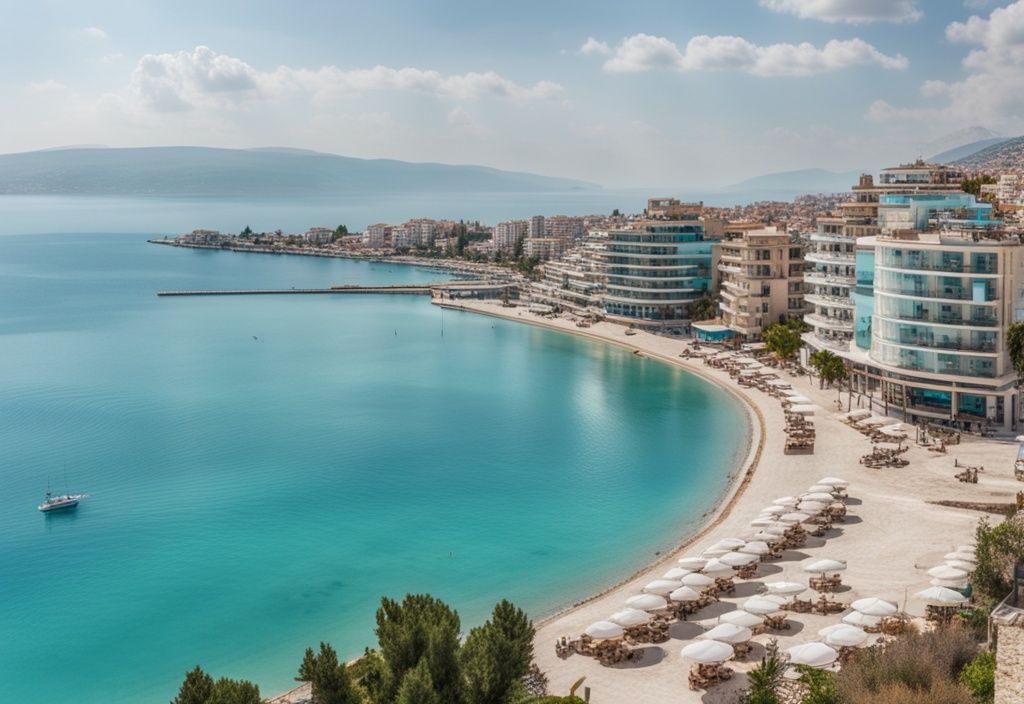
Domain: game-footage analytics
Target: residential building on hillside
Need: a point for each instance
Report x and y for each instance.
(564, 228)
(536, 227)
(375, 236)
(666, 208)
(544, 248)
(319, 235)
(761, 280)
(506, 234)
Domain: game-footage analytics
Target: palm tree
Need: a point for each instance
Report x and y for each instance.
(763, 680)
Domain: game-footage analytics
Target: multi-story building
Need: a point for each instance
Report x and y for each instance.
(666, 208)
(536, 227)
(573, 283)
(421, 232)
(375, 236)
(319, 235)
(761, 279)
(654, 270)
(506, 234)
(544, 248)
(562, 227)
(401, 237)
(832, 254)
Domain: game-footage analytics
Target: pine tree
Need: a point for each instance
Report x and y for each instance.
(196, 688)
(417, 687)
(227, 691)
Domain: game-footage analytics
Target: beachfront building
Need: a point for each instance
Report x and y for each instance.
(574, 283)
(544, 248)
(421, 232)
(376, 235)
(761, 279)
(831, 257)
(656, 268)
(507, 233)
(401, 237)
(319, 235)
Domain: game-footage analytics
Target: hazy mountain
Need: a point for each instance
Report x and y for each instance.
(201, 171)
(784, 185)
(953, 140)
(951, 155)
(1007, 155)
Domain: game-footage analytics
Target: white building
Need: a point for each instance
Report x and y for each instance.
(375, 236)
(507, 233)
(319, 235)
(536, 228)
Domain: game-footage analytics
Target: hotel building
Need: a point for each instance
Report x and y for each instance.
(506, 234)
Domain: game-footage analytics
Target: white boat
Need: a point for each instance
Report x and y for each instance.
(60, 503)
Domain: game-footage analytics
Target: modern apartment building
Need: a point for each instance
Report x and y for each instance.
(506, 234)
(574, 283)
(319, 235)
(536, 227)
(564, 228)
(375, 235)
(761, 280)
(544, 248)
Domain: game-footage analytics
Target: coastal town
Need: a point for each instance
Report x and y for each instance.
(864, 332)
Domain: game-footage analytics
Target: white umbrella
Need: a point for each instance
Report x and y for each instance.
(803, 409)
(716, 567)
(777, 529)
(964, 556)
(760, 606)
(826, 565)
(728, 633)
(947, 573)
(763, 522)
(845, 636)
(692, 563)
(822, 489)
(811, 506)
(834, 481)
(604, 630)
(698, 581)
(765, 536)
(786, 501)
(776, 509)
(647, 602)
(756, 547)
(795, 517)
(967, 548)
(941, 596)
(950, 583)
(787, 588)
(741, 618)
(676, 573)
(630, 617)
(711, 554)
(812, 654)
(961, 565)
(738, 559)
(798, 401)
(822, 496)
(873, 606)
(863, 620)
(728, 544)
(778, 599)
(684, 594)
(661, 587)
(707, 652)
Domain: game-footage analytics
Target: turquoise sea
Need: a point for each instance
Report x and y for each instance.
(262, 469)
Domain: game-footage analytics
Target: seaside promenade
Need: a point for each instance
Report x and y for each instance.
(894, 533)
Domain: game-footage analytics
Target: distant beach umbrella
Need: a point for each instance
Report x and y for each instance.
(684, 594)
(741, 618)
(763, 522)
(857, 618)
(949, 583)
(778, 529)
(630, 617)
(970, 549)
(786, 588)
(811, 507)
(676, 573)
(756, 547)
(776, 509)
(963, 556)
(798, 400)
(786, 501)
(707, 652)
(961, 565)
(694, 564)
(728, 544)
(822, 489)
(845, 636)
(661, 587)
(604, 630)
(834, 481)
(760, 606)
(824, 566)
(647, 602)
(947, 573)
(941, 596)
(873, 606)
(697, 581)
(716, 567)
(765, 537)
(813, 654)
(794, 517)
(728, 633)
(738, 559)
(821, 496)
(779, 599)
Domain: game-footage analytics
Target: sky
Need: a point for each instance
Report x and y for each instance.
(682, 93)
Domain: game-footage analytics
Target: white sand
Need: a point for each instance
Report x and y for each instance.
(892, 537)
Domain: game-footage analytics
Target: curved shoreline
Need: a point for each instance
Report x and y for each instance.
(724, 503)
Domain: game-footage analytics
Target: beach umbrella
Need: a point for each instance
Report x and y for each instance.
(756, 547)
(694, 564)
(697, 581)
(661, 587)
(961, 565)
(798, 400)
(676, 573)
(604, 630)
(728, 633)
(795, 517)
(786, 501)
(765, 537)
(967, 548)
(811, 506)
(787, 588)
(834, 481)
(964, 556)
(947, 573)
(856, 618)
(630, 617)
(776, 509)
(873, 606)
(778, 529)
(707, 652)
(777, 598)
(716, 567)
(822, 496)
(763, 522)
(950, 583)
(941, 596)
(738, 559)
(741, 618)
(728, 544)
(813, 654)
(822, 489)
(760, 606)
(713, 554)
(685, 594)
(647, 602)
(845, 636)
(826, 565)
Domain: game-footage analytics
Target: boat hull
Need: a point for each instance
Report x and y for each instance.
(64, 506)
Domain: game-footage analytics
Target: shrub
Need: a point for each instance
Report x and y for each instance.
(999, 548)
(979, 676)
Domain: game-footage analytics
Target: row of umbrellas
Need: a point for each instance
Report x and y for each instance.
(950, 576)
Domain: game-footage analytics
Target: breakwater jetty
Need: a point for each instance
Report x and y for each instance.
(396, 289)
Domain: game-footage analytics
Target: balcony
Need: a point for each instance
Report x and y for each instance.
(948, 268)
(819, 299)
(817, 278)
(817, 320)
(831, 257)
(933, 344)
(831, 237)
(946, 293)
(949, 320)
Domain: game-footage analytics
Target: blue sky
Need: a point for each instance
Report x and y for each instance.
(675, 93)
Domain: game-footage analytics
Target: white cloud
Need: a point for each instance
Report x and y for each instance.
(204, 78)
(644, 52)
(48, 86)
(593, 46)
(993, 91)
(95, 33)
(848, 11)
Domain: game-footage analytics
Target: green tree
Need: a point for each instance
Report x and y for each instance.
(783, 339)
(418, 688)
(227, 691)
(616, 213)
(704, 308)
(497, 655)
(830, 367)
(307, 669)
(1015, 346)
(196, 688)
(820, 686)
(999, 548)
(973, 185)
(979, 676)
(339, 232)
(763, 680)
(328, 678)
(247, 232)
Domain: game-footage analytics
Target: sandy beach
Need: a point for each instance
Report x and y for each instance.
(894, 532)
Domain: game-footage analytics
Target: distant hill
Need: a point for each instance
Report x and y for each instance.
(273, 172)
(954, 140)
(1007, 155)
(962, 152)
(787, 184)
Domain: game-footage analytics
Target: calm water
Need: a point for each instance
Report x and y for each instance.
(250, 497)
